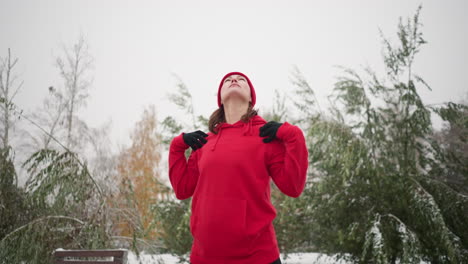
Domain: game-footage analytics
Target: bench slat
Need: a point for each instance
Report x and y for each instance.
(89, 253)
(117, 256)
(85, 262)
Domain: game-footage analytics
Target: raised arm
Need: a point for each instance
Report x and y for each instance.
(288, 160)
(183, 173)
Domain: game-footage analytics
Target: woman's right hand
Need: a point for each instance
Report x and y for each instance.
(195, 139)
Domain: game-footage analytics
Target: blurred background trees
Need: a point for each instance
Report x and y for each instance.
(60, 203)
(383, 185)
(140, 183)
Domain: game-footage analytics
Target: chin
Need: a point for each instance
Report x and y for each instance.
(236, 100)
(236, 96)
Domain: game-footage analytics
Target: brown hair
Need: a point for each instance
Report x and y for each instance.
(218, 117)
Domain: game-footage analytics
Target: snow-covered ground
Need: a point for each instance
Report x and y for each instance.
(297, 258)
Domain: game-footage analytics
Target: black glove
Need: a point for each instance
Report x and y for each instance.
(195, 139)
(269, 130)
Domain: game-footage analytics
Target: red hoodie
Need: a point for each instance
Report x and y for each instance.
(229, 178)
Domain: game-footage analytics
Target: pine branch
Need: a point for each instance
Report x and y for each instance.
(39, 220)
(65, 148)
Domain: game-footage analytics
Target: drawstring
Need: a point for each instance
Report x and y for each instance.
(248, 129)
(220, 129)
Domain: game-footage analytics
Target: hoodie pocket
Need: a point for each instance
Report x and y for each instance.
(219, 227)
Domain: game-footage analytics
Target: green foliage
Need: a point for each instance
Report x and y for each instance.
(183, 100)
(292, 222)
(453, 139)
(12, 198)
(35, 241)
(58, 181)
(171, 128)
(279, 111)
(377, 194)
(173, 219)
(455, 114)
(61, 210)
(305, 99)
(61, 204)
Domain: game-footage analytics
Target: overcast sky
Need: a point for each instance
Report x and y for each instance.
(138, 45)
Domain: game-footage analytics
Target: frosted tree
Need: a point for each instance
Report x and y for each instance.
(62, 205)
(74, 67)
(454, 139)
(48, 120)
(8, 90)
(377, 194)
(57, 118)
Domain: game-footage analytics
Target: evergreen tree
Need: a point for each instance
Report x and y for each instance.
(56, 211)
(454, 140)
(377, 196)
(61, 204)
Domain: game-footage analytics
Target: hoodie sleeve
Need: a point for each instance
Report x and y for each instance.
(288, 161)
(183, 173)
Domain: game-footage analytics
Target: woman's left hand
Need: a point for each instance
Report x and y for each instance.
(269, 131)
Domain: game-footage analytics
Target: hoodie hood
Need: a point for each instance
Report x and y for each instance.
(246, 128)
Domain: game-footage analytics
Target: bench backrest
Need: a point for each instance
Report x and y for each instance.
(114, 256)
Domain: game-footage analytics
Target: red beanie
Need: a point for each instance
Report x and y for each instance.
(252, 90)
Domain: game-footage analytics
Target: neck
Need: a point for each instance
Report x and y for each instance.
(234, 110)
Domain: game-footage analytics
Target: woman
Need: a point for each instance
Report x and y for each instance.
(228, 174)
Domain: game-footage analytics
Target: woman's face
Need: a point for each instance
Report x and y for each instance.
(235, 86)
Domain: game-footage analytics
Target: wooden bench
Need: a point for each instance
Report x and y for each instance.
(104, 256)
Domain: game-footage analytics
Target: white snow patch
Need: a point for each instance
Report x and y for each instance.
(296, 258)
